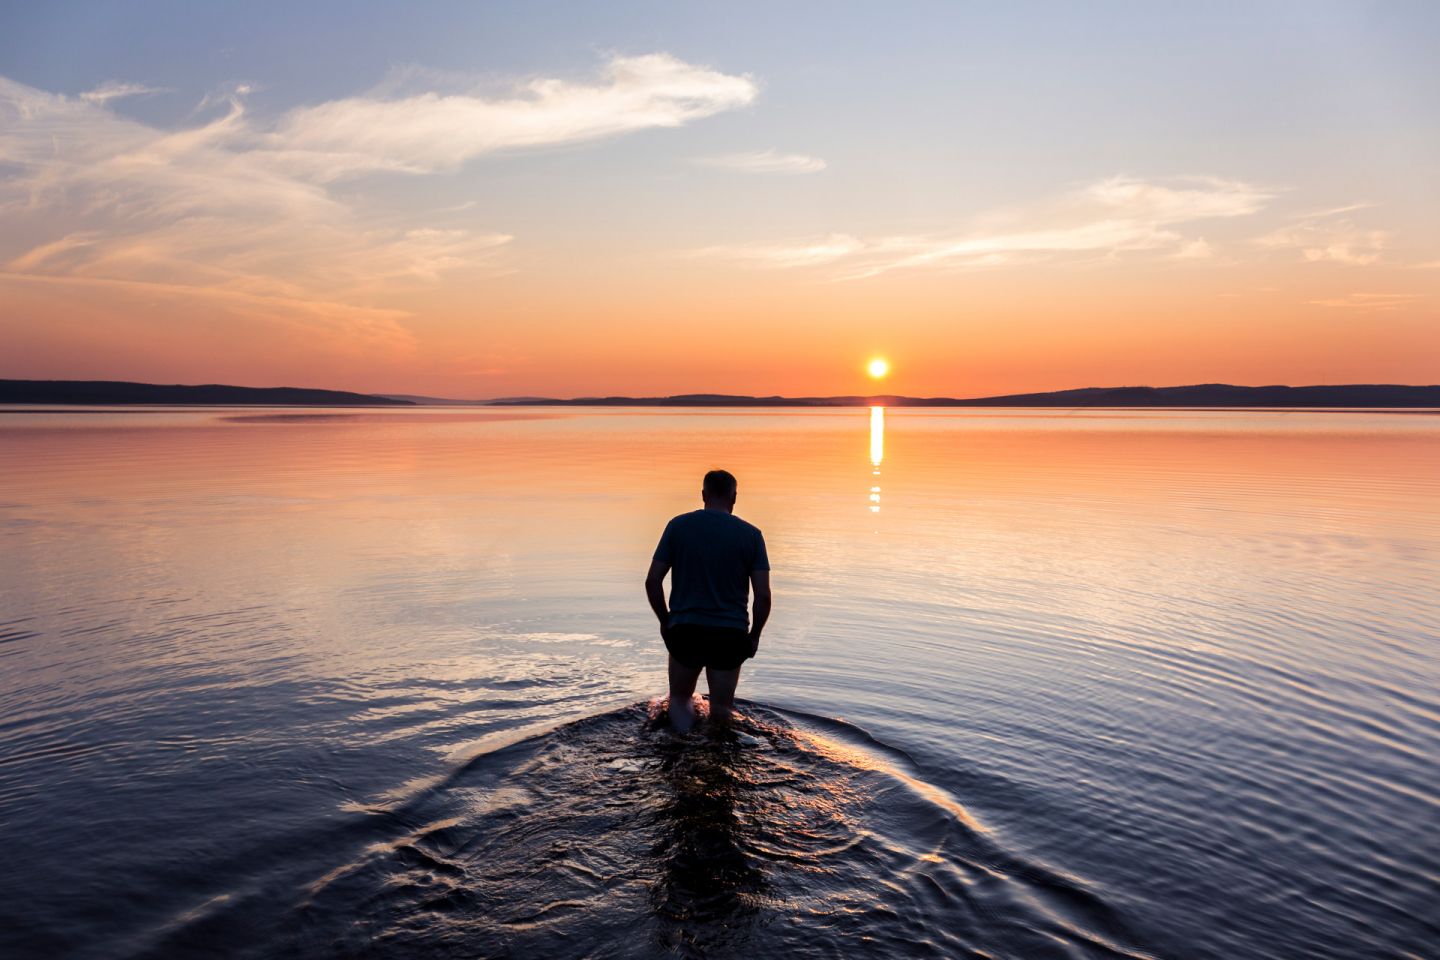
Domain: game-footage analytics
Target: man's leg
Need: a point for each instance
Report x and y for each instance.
(722, 693)
(682, 687)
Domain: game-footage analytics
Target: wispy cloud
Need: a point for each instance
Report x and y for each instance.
(431, 132)
(1369, 302)
(236, 206)
(764, 161)
(1329, 236)
(1334, 211)
(1180, 199)
(115, 89)
(1198, 249)
(1108, 218)
(349, 327)
(802, 253)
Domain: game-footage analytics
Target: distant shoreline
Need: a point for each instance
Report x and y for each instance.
(126, 393)
(1210, 396)
(1225, 397)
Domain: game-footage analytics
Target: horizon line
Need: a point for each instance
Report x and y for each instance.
(26, 391)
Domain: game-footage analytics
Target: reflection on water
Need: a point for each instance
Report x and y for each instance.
(877, 454)
(790, 836)
(1112, 681)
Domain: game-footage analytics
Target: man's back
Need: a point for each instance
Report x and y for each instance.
(713, 559)
(712, 555)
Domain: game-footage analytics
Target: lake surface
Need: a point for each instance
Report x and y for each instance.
(1037, 684)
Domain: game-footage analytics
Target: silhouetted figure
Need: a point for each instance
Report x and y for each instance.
(714, 559)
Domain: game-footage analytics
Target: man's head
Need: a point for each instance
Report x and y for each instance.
(718, 490)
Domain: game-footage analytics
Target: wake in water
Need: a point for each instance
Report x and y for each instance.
(612, 836)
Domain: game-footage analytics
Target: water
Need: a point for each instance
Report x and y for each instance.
(1038, 683)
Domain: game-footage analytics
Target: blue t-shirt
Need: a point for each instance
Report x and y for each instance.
(711, 555)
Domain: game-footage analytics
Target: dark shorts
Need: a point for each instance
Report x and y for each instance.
(696, 646)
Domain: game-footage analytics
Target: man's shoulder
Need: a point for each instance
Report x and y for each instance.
(743, 528)
(746, 526)
(712, 517)
(682, 519)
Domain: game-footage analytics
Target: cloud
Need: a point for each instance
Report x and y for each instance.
(432, 132)
(1369, 302)
(354, 326)
(1197, 249)
(1189, 198)
(1335, 211)
(1108, 218)
(1326, 236)
(233, 206)
(805, 253)
(764, 161)
(114, 90)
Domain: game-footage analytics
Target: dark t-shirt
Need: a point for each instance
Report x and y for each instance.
(711, 555)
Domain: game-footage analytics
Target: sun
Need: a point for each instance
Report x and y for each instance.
(878, 367)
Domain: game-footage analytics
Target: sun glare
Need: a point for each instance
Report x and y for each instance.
(878, 367)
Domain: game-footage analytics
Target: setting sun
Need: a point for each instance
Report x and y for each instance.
(878, 367)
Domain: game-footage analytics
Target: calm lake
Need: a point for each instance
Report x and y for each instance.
(1045, 683)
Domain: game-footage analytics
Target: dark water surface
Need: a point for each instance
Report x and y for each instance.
(1038, 684)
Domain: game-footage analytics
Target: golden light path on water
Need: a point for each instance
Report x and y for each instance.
(877, 453)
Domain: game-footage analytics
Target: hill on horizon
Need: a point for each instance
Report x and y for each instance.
(1196, 395)
(120, 392)
(125, 392)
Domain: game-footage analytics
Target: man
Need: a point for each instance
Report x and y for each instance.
(714, 559)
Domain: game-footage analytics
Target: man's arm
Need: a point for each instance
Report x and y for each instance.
(655, 591)
(760, 584)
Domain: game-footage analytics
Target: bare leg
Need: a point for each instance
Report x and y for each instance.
(682, 687)
(722, 693)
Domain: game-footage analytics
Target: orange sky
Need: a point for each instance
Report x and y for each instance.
(953, 335)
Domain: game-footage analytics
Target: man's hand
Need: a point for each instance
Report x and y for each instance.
(754, 643)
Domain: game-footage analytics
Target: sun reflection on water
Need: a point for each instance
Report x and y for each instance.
(877, 453)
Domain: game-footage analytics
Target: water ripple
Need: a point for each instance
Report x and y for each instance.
(794, 836)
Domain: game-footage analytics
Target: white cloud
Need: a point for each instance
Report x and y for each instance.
(1327, 236)
(237, 207)
(1334, 211)
(1108, 218)
(432, 132)
(804, 253)
(764, 161)
(1197, 249)
(114, 90)
(1179, 200)
(1369, 302)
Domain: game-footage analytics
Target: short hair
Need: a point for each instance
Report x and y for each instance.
(718, 483)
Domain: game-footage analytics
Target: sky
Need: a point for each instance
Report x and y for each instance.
(568, 199)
